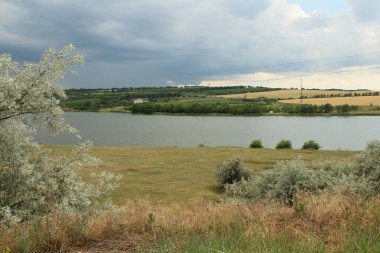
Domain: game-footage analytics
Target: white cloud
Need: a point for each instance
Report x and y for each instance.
(364, 77)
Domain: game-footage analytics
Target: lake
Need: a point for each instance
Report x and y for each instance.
(123, 129)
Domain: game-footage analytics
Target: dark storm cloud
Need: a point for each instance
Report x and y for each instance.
(128, 42)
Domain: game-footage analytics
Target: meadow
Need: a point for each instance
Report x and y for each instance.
(179, 175)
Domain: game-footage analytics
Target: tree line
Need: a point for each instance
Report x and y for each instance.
(238, 109)
(355, 94)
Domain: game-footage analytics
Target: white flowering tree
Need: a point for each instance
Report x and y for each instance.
(34, 180)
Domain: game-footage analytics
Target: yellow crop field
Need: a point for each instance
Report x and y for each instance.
(289, 94)
(360, 101)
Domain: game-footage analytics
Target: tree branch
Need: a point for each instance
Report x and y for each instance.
(31, 86)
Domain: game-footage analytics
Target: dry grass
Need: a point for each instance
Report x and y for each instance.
(330, 220)
(287, 94)
(361, 101)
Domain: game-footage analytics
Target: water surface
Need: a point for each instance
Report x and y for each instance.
(122, 129)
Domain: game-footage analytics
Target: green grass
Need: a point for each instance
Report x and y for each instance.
(177, 175)
(238, 242)
(367, 242)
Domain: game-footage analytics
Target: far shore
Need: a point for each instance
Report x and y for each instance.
(363, 112)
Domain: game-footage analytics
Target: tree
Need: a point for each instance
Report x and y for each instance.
(284, 144)
(327, 108)
(34, 180)
(256, 144)
(311, 144)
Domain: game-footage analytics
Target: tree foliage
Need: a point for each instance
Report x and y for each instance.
(311, 144)
(35, 180)
(256, 144)
(284, 144)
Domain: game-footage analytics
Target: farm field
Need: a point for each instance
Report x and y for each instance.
(288, 94)
(178, 175)
(360, 101)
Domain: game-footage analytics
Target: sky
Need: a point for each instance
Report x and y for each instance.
(275, 43)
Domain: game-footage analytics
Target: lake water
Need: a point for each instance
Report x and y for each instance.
(122, 129)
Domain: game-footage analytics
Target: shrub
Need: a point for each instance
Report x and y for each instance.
(361, 177)
(311, 145)
(281, 182)
(367, 165)
(284, 144)
(256, 144)
(243, 189)
(232, 171)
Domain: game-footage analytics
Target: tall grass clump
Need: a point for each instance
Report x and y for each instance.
(311, 144)
(256, 144)
(284, 144)
(232, 171)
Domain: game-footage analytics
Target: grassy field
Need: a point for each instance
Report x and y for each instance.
(177, 175)
(168, 178)
(288, 94)
(361, 101)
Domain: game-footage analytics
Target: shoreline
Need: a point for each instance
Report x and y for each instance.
(233, 115)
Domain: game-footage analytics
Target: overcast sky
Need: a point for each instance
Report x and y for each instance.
(208, 42)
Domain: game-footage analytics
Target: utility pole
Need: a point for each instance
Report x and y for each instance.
(301, 91)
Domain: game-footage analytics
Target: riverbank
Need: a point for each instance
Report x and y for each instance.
(361, 111)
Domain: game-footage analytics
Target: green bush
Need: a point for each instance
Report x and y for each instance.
(367, 165)
(256, 144)
(284, 144)
(232, 171)
(361, 177)
(281, 182)
(311, 145)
